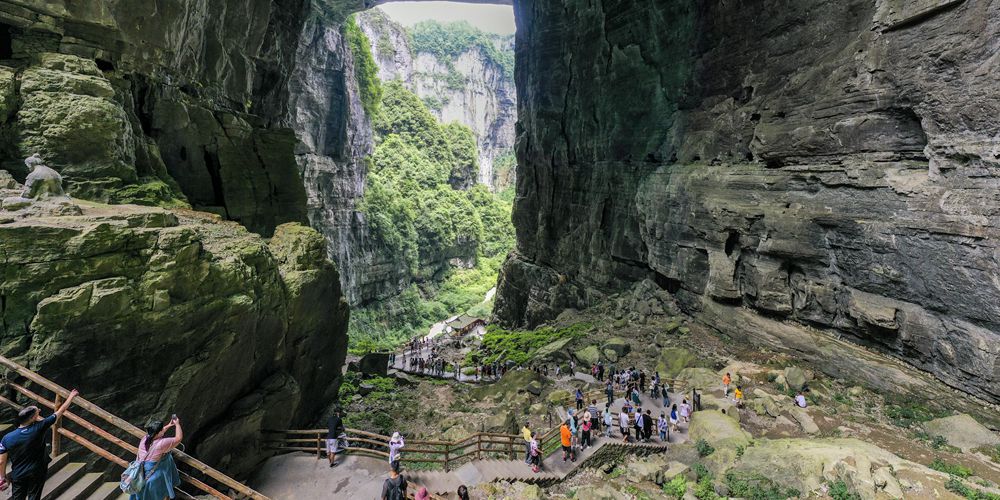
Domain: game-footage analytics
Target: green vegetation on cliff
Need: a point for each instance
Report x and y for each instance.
(451, 240)
(365, 69)
(449, 40)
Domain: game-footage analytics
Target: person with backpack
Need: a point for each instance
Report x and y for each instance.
(647, 426)
(157, 462)
(624, 424)
(579, 399)
(661, 425)
(335, 435)
(394, 488)
(24, 449)
(665, 392)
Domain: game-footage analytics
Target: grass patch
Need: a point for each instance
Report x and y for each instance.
(909, 414)
(520, 346)
(950, 468)
(757, 487)
(959, 488)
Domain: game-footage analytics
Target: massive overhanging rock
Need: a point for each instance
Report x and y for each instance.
(831, 164)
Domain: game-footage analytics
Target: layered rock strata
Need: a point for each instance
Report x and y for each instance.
(827, 164)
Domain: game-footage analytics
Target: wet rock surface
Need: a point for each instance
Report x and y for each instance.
(842, 185)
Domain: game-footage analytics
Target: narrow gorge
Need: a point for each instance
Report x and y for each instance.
(257, 189)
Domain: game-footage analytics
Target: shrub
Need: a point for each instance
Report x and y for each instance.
(959, 488)
(756, 487)
(676, 488)
(839, 490)
(700, 471)
(705, 490)
(950, 468)
(447, 41)
(704, 449)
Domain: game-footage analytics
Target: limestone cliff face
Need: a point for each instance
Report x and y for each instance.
(152, 311)
(174, 103)
(335, 138)
(831, 164)
(480, 94)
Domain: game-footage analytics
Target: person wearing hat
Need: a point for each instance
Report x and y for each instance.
(395, 445)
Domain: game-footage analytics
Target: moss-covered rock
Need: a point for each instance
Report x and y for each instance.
(588, 355)
(619, 345)
(69, 116)
(672, 360)
(229, 331)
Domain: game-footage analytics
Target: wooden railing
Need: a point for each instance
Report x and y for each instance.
(109, 429)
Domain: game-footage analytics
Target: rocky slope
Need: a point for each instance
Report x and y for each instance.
(470, 88)
(825, 164)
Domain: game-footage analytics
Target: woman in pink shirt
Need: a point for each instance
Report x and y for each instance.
(158, 462)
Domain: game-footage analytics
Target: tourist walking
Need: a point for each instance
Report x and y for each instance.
(647, 426)
(394, 488)
(624, 424)
(536, 453)
(726, 380)
(566, 439)
(665, 392)
(685, 411)
(661, 426)
(396, 444)
(157, 461)
(609, 391)
(579, 399)
(526, 434)
(24, 450)
(738, 397)
(673, 418)
(585, 431)
(463, 492)
(334, 436)
(608, 420)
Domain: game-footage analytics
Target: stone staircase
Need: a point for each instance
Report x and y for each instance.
(554, 469)
(71, 481)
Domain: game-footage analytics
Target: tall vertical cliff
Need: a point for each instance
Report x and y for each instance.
(152, 310)
(469, 83)
(829, 165)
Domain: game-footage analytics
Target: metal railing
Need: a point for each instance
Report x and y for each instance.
(119, 451)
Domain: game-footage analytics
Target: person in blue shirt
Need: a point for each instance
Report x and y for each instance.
(24, 449)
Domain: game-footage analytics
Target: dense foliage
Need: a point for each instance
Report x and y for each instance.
(418, 217)
(448, 41)
(365, 69)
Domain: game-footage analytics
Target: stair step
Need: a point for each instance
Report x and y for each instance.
(57, 462)
(106, 491)
(83, 487)
(62, 480)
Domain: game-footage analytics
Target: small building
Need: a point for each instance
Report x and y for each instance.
(464, 325)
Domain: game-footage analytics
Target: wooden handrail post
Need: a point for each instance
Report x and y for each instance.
(56, 444)
(447, 449)
(479, 446)
(319, 446)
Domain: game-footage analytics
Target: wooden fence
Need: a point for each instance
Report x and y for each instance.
(20, 385)
(448, 454)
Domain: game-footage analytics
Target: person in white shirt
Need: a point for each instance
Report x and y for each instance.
(395, 445)
(800, 400)
(623, 423)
